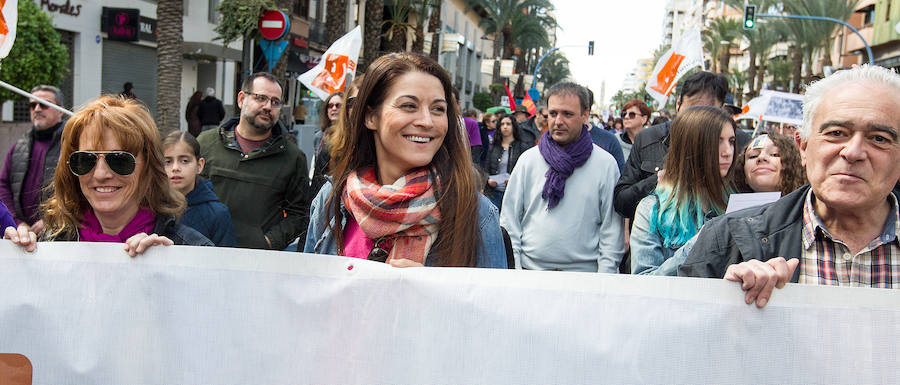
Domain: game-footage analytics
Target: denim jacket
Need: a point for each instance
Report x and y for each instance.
(492, 253)
(648, 255)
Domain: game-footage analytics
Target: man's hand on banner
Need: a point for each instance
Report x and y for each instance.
(139, 243)
(759, 278)
(22, 236)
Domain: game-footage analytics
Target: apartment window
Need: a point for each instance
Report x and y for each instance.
(213, 16)
(301, 8)
(868, 14)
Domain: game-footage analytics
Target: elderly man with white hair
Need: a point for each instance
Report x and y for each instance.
(842, 229)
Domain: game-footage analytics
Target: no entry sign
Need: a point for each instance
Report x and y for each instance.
(273, 25)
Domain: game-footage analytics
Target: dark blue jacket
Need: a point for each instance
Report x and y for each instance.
(607, 141)
(209, 216)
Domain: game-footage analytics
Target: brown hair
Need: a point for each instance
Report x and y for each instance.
(487, 117)
(457, 199)
(324, 122)
(131, 125)
(645, 111)
(792, 174)
(334, 137)
(175, 137)
(692, 164)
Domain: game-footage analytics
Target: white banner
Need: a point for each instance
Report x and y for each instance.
(8, 19)
(87, 314)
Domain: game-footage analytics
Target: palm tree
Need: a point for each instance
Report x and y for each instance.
(554, 69)
(372, 35)
(837, 9)
(335, 20)
(397, 25)
(434, 27)
(169, 15)
(420, 8)
(738, 79)
(761, 40)
(498, 21)
(722, 32)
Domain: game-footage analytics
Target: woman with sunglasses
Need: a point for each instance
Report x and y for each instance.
(503, 157)
(635, 117)
(693, 189)
(405, 192)
(329, 117)
(110, 184)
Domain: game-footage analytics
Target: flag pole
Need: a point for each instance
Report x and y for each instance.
(30, 96)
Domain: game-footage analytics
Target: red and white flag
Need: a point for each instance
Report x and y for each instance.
(338, 61)
(684, 55)
(8, 15)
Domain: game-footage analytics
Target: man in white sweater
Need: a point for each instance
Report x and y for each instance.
(558, 204)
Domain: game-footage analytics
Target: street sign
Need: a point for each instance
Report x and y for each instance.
(273, 25)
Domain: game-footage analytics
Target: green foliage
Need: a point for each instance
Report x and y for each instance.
(554, 69)
(622, 97)
(482, 100)
(497, 88)
(240, 18)
(37, 56)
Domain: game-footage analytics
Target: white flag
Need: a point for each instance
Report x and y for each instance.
(8, 16)
(338, 61)
(686, 54)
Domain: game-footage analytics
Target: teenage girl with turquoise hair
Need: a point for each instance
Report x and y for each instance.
(693, 188)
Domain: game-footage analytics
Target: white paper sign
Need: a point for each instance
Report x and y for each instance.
(742, 201)
(86, 313)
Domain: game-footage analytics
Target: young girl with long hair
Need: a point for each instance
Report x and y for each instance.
(694, 187)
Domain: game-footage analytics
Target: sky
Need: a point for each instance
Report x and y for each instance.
(623, 31)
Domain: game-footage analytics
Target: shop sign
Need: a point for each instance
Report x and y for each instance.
(64, 9)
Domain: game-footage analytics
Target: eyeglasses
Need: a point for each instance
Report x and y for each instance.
(34, 105)
(544, 116)
(120, 162)
(630, 115)
(334, 105)
(262, 99)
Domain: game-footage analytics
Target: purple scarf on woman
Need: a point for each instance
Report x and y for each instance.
(563, 162)
(91, 231)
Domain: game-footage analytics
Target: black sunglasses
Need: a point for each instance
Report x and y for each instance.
(378, 253)
(120, 162)
(630, 115)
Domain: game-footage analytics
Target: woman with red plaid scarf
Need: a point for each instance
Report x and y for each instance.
(407, 192)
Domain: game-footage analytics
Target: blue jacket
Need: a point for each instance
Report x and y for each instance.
(492, 254)
(209, 216)
(607, 141)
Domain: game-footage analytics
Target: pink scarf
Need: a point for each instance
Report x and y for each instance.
(91, 231)
(405, 214)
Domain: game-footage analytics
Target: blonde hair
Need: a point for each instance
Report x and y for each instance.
(131, 125)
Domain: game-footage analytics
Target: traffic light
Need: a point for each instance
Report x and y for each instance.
(591, 48)
(749, 16)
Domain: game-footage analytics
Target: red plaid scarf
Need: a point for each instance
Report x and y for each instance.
(405, 213)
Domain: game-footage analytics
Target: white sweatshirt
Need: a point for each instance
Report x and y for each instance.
(582, 233)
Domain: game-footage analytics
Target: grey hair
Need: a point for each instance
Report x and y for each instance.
(865, 73)
(210, 91)
(569, 88)
(57, 93)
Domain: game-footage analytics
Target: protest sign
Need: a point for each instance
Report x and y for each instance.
(672, 65)
(86, 313)
(337, 63)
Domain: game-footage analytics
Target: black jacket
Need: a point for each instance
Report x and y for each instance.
(165, 226)
(211, 111)
(516, 148)
(763, 232)
(528, 131)
(647, 156)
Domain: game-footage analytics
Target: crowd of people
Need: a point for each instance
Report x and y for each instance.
(402, 175)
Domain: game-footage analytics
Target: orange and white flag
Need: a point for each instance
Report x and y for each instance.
(337, 62)
(684, 55)
(8, 16)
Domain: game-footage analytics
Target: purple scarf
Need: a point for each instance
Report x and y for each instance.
(563, 162)
(91, 231)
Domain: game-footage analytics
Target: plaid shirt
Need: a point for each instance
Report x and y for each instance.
(828, 261)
